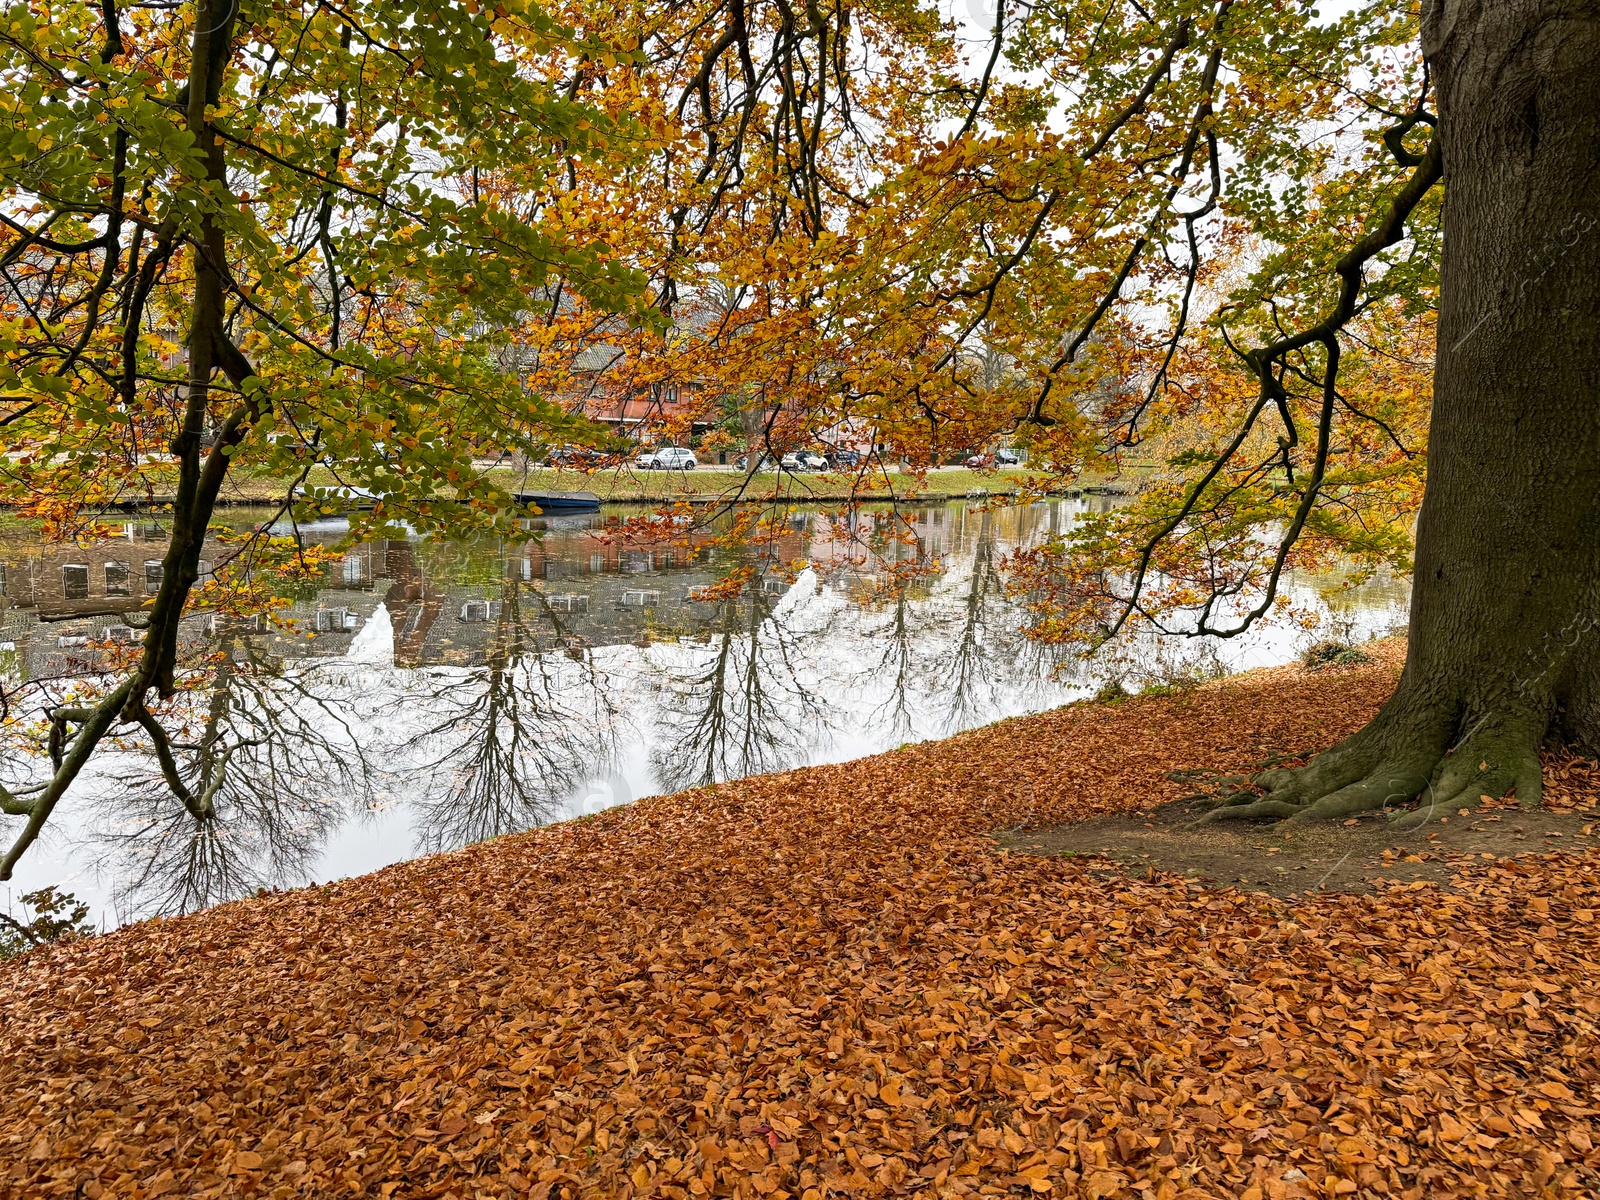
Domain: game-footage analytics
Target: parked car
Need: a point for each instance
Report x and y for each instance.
(668, 458)
(803, 460)
(576, 456)
(1000, 458)
(838, 459)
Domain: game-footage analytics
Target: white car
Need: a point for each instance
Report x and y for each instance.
(668, 458)
(803, 460)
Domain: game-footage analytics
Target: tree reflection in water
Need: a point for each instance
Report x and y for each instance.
(582, 660)
(742, 705)
(502, 745)
(897, 664)
(286, 766)
(950, 648)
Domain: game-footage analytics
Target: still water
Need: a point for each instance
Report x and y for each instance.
(427, 695)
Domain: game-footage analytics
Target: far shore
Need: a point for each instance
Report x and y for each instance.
(710, 484)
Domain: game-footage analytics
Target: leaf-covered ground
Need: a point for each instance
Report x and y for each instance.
(831, 982)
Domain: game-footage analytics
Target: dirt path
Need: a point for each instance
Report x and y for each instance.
(1359, 856)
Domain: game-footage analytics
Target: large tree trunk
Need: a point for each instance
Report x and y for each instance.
(1508, 543)
(1503, 640)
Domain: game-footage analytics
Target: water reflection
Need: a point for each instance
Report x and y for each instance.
(499, 744)
(281, 759)
(739, 699)
(424, 696)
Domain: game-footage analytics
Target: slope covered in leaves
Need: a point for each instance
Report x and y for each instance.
(830, 982)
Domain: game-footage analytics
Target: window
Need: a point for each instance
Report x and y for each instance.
(597, 563)
(355, 568)
(527, 568)
(122, 633)
(478, 611)
(333, 620)
(117, 579)
(152, 575)
(205, 569)
(641, 599)
(75, 581)
(774, 587)
(569, 602)
(663, 560)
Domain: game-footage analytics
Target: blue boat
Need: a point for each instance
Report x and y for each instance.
(560, 502)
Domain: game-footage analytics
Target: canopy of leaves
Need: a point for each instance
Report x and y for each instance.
(369, 280)
(439, 235)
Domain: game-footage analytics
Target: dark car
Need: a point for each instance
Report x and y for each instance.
(576, 456)
(843, 458)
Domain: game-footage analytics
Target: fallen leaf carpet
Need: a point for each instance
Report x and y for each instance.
(830, 982)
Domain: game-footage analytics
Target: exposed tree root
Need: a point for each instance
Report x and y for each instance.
(1378, 769)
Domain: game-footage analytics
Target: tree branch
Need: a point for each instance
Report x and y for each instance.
(1262, 360)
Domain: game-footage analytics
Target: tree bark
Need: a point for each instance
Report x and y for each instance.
(1507, 591)
(1504, 647)
(198, 479)
(192, 504)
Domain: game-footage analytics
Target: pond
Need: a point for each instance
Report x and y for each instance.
(430, 695)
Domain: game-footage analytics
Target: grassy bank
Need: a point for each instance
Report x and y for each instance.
(625, 485)
(833, 980)
(633, 486)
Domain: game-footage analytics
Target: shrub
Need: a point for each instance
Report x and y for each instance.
(56, 917)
